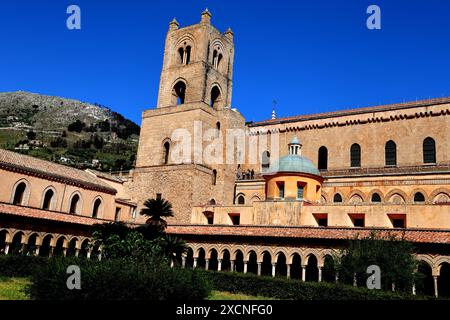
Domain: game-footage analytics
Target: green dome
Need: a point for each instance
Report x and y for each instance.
(294, 163)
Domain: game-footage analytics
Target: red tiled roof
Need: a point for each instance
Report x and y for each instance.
(10, 209)
(48, 170)
(380, 108)
(412, 235)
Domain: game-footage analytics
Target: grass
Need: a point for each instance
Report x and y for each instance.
(12, 288)
(220, 295)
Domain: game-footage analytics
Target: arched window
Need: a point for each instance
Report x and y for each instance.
(390, 153)
(75, 204)
(429, 150)
(214, 177)
(181, 53)
(166, 152)
(179, 93)
(212, 202)
(323, 158)
(96, 208)
(265, 159)
(217, 58)
(218, 129)
(48, 197)
(188, 54)
(376, 197)
(215, 96)
(337, 198)
(19, 194)
(241, 199)
(419, 197)
(355, 156)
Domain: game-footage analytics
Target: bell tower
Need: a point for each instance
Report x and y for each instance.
(198, 65)
(194, 98)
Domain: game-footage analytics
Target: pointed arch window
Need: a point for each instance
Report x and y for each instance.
(214, 177)
(166, 152)
(96, 208)
(75, 204)
(265, 160)
(337, 198)
(390, 153)
(241, 199)
(48, 198)
(376, 197)
(323, 158)
(429, 150)
(355, 156)
(19, 194)
(179, 93)
(215, 96)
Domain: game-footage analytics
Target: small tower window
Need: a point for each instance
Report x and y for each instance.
(166, 152)
(215, 96)
(214, 177)
(179, 93)
(419, 197)
(241, 199)
(184, 54)
(300, 190)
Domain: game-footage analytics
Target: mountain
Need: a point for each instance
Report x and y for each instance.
(68, 131)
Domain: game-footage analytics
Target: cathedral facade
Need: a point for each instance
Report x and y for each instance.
(277, 197)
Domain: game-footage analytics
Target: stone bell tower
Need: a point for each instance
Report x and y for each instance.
(194, 97)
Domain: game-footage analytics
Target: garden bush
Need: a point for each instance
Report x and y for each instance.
(285, 289)
(117, 279)
(20, 265)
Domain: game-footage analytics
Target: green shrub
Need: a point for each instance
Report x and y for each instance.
(20, 265)
(117, 280)
(285, 289)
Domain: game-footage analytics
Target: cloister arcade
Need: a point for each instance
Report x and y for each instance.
(302, 263)
(13, 241)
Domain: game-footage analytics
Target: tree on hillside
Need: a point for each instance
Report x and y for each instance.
(76, 126)
(157, 209)
(31, 135)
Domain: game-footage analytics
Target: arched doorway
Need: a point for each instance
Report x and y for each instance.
(266, 267)
(312, 272)
(213, 263)
(252, 264)
(281, 268)
(84, 249)
(31, 245)
(17, 243)
(226, 265)
(59, 247)
(189, 263)
(44, 251)
(328, 270)
(201, 258)
(71, 249)
(3, 236)
(444, 280)
(239, 261)
(425, 281)
(296, 266)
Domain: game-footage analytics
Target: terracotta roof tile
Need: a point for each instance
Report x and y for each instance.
(19, 162)
(380, 108)
(412, 235)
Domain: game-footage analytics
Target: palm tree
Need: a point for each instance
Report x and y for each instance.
(173, 246)
(156, 210)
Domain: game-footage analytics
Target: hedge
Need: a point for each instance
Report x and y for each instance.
(19, 265)
(290, 289)
(117, 280)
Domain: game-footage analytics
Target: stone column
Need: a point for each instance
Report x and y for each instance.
(88, 254)
(336, 277)
(64, 252)
(288, 271)
(195, 263)
(259, 268)
(50, 251)
(414, 289)
(206, 264)
(436, 290)
(219, 265)
(99, 256)
(355, 282)
(274, 269)
(320, 273)
(171, 263)
(36, 251)
(183, 262)
(7, 244)
(303, 273)
(77, 252)
(232, 265)
(245, 266)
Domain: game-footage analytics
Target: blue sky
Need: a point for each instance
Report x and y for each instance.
(310, 56)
